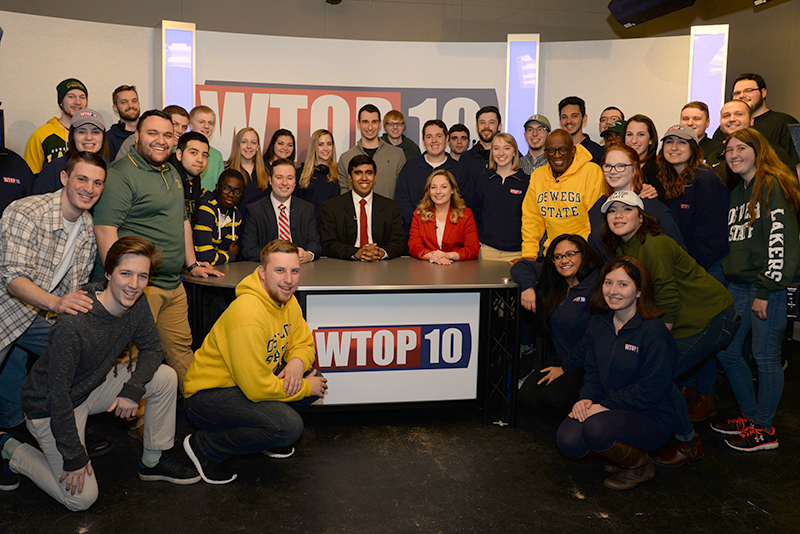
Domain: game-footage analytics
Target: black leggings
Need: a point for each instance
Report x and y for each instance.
(600, 431)
(556, 397)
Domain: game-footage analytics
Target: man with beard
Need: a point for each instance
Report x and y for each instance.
(125, 102)
(411, 182)
(191, 159)
(751, 89)
(536, 130)
(488, 123)
(560, 194)
(49, 141)
(572, 112)
(388, 158)
(144, 197)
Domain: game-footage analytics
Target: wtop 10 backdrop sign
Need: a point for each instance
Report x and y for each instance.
(305, 109)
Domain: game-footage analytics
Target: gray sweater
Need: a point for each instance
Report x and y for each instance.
(81, 350)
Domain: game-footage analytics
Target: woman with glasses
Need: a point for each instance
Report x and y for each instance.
(624, 408)
(319, 176)
(697, 308)
(762, 261)
(640, 134)
(443, 229)
(246, 158)
(560, 296)
(623, 173)
(498, 202)
(699, 202)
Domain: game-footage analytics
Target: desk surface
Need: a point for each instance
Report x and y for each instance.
(328, 274)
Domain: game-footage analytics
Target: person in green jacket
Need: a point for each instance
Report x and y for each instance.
(697, 308)
(762, 261)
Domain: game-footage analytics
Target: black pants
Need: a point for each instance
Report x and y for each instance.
(556, 397)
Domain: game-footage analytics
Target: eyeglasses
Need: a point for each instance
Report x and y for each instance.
(563, 150)
(619, 167)
(745, 91)
(540, 129)
(395, 124)
(229, 191)
(567, 255)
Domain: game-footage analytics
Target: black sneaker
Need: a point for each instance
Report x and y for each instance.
(732, 427)
(8, 479)
(211, 472)
(280, 452)
(169, 470)
(754, 438)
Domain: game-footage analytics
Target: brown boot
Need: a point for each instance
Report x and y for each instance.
(703, 407)
(687, 393)
(636, 466)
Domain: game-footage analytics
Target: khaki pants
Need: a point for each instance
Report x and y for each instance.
(493, 254)
(45, 467)
(170, 310)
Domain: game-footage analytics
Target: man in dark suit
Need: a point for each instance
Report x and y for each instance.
(281, 216)
(362, 225)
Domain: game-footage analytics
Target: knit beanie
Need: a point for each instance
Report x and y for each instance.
(68, 85)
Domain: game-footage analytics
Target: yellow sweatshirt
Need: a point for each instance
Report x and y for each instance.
(248, 343)
(560, 205)
(47, 143)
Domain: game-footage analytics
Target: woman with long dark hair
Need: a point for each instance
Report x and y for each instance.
(561, 295)
(629, 355)
(640, 134)
(763, 260)
(699, 202)
(282, 145)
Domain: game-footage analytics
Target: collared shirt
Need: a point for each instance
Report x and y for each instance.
(276, 205)
(528, 163)
(357, 203)
(32, 243)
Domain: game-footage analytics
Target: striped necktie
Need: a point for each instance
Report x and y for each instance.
(283, 225)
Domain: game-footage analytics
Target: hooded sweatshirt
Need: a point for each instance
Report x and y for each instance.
(560, 205)
(249, 342)
(767, 253)
(80, 352)
(47, 143)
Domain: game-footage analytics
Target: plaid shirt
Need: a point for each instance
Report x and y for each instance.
(528, 164)
(32, 242)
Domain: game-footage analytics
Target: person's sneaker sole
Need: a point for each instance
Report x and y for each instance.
(10, 487)
(763, 447)
(199, 467)
(733, 432)
(178, 481)
(279, 455)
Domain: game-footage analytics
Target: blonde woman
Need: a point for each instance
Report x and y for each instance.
(443, 229)
(319, 176)
(247, 159)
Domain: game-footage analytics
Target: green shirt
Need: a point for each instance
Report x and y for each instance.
(689, 296)
(210, 176)
(140, 200)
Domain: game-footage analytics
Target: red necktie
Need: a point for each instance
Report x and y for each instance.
(283, 225)
(363, 234)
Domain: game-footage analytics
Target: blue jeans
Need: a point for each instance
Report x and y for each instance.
(13, 370)
(232, 424)
(692, 351)
(707, 375)
(600, 431)
(767, 342)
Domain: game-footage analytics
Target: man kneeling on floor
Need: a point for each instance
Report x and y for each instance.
(77, 376)
(252, 377)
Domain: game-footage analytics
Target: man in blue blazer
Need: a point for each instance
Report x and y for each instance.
(265, 217)
(362, 225)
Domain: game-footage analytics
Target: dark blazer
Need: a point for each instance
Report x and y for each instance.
(339, 229)
(261, 227)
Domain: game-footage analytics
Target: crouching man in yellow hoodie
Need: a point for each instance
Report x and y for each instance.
(252, 376)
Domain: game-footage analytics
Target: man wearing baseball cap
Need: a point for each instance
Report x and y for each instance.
(613, 134)
(49, 141)
(537, 128)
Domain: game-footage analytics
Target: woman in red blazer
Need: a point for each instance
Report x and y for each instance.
(443, 229)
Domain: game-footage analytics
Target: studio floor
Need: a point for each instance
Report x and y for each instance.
(432, 470)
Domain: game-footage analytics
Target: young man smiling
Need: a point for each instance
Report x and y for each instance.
(125, 103)
(389, 159)
(217, 227)
(411, 181)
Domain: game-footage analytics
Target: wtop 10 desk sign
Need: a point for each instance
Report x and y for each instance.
(408, 347)
(303, 109)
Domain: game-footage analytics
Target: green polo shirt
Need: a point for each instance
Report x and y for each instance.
(140, 200)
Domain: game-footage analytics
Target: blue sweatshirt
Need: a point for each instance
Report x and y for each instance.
(498, 209)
